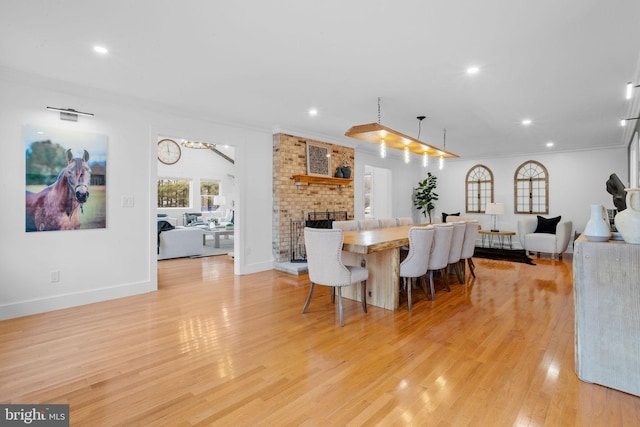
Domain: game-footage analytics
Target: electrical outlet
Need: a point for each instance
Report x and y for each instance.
(55, 276)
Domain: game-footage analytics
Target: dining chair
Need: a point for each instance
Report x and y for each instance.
(350, 225)
(455, 251)
(326, 268)
(439, 258)
(417, 261)
(404, 220)
(387, 222)
(468, 247)
(368, 224)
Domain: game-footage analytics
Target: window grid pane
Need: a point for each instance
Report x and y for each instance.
(479, 188)
(531, 187)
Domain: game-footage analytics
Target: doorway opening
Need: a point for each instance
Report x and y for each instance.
(377, 192)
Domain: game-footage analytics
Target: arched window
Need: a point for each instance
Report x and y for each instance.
(479, 189)
(531, 188)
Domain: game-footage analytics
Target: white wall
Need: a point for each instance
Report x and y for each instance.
(120, 260)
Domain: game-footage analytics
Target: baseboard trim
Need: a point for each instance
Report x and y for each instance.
(59, 302)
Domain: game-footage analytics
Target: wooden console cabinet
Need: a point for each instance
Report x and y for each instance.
(606, 286)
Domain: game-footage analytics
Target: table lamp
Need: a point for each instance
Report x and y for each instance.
(494, 209)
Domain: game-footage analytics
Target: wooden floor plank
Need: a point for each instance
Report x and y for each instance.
(211, 348)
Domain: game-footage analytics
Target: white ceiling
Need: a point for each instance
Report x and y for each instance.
(263, 64)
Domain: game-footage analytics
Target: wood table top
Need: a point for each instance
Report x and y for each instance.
(377, 239)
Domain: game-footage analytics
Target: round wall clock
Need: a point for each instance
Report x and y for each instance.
(168, 151)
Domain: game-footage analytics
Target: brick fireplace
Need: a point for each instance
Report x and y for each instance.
(293, 201)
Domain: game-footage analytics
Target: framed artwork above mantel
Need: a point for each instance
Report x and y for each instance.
(318, 159)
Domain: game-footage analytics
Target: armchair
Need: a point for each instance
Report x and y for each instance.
(556, 243)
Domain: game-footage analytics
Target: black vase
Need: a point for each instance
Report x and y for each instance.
(346, 172)
(338, 173)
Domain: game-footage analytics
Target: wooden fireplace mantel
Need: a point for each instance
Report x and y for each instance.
(311, 179)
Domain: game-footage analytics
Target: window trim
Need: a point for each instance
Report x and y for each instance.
(517, 179)
(468, 182)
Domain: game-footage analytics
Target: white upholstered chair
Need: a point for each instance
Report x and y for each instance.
(455, 250)
(417, 260)
(350, 225)
(325, 266)
(544, 242)
(404, 220)
(439, 258)
(368, 224)
(468, 247)
(387, 222)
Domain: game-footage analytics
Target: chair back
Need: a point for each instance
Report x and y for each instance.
(368, 224)
(350, 225)
(404, 220)
(417, 261)
(439, 257)
(470, 236)
(324, 248)
(457, 238)
(387, 222)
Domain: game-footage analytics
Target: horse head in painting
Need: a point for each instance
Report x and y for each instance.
(57, 206)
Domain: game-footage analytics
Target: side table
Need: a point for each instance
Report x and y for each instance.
(501, 237)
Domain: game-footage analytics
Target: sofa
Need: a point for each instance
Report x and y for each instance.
(180, 242)
(541, 235)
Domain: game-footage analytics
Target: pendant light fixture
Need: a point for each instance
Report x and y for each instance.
(376, 133)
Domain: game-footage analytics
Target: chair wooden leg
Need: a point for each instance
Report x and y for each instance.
(446, 279)
(471, 267)
(409, 282)
(364, 296)
(333, 295)
(339, 289)
(433, 288)
(459, 271)
(423, 283)
(306, 305)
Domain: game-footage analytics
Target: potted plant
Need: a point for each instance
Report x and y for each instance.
(423, 196)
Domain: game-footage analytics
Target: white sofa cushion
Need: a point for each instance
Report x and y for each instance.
(180, 242)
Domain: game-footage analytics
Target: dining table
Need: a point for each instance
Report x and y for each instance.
(378, 250)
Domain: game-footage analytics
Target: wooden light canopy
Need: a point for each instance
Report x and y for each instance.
(375, 133)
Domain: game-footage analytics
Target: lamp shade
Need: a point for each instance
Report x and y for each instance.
(495, 209)
(219, 200)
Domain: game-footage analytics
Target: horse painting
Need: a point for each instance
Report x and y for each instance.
(57, 207)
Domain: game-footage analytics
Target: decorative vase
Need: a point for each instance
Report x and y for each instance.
(628, 221)
(597, 229)
(346, 172)
(338, 173)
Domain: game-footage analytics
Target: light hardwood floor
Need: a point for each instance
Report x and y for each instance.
(211, 348)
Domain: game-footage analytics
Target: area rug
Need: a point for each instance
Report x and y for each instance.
(518, 255)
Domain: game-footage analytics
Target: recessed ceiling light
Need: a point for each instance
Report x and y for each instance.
(101, 49)
(550, 144)
(473, 70)
(526, 122)
(313, 112)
